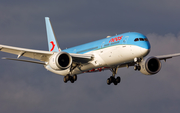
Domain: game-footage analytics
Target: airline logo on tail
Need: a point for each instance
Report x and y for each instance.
(52, 41)
(53, 45)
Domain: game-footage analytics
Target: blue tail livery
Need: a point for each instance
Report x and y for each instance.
(52, 41)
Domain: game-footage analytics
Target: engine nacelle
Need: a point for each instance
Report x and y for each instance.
(150, 66)
(60, 61)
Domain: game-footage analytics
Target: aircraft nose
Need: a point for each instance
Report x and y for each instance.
(145, 48)
(144, 51)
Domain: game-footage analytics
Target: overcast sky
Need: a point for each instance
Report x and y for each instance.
(29, 88)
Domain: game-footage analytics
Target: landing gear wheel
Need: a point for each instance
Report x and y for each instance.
(138, 68)
(72, 81)
(135, 68)
(118, 79)
(67, 77)
(115, 83)
(75, 77)
(113, 80)
(108, 81)
(65, 81)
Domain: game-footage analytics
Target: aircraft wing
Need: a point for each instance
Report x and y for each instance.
(164, 57)
(40, 55)
(34, 54)
(161, 57)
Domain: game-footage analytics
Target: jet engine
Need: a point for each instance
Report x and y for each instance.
(60, 61)
(150, 65)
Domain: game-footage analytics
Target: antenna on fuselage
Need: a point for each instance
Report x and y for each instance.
(108, 36)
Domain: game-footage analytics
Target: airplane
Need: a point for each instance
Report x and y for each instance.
(113, 52)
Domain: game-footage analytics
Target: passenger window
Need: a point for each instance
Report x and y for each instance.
(136, 39)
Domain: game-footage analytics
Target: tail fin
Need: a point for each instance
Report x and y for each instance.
(52, 41)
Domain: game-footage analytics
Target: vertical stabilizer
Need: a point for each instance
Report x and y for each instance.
(52, 41)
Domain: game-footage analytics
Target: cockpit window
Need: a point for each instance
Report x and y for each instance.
(137, 39)
(146, 39)
(140, 39)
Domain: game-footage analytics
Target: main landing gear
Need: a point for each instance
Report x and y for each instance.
(70, 78)
(112, 79)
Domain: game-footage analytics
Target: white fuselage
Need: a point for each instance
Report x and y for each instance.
(106, 57)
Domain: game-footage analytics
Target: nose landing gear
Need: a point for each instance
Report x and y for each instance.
(137, 66)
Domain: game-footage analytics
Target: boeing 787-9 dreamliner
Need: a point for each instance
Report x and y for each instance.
(111, 53)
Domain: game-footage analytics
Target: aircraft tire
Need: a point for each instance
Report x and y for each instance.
(135, 68)
(108, 81)
(118, 79)
(72, 80)
(138, 68)
(67, 77)
(111, 79)
(75, 77)
(115, 83)
(65, 81)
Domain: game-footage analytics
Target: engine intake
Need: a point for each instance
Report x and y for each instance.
(60, 61)
(150, 66)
